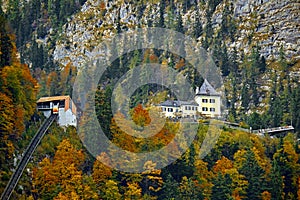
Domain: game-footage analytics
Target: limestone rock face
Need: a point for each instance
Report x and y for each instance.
(276, 24)
(270, 24)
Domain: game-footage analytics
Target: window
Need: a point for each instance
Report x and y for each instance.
(189, 108)
(212, 109)
(212, 101)
(185, 107)
(164, 109)
(176, 110)
(196, 108)
(204, 100)
(170, 109)
(204, 109)
(193, 108)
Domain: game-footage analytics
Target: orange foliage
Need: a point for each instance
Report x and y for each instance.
(149, 54)
(266, 195)
(102, 5)
(180, 64)
(120, 138)
(203, 176)
(153, 58)
(101, 172)
(222, 165)
(18, 93)
(19, 126)
(6, 116)
(63, 171)
(124, 140)
(141, 116)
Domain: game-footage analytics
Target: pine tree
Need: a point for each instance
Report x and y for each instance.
(296, 108)
(188, 189)
(170, 188)
(224, 61)
(262, 64)
(222, 187)
(254, 175)
(179, 24)
(245, 96)
(275, 110)
(198, 30)
(276, 182)
(6, 45)
(162, 6)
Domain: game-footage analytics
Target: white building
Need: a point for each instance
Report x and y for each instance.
(173, 109)
(67, 111)
(209, 100)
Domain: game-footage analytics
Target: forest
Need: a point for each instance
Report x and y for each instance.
(241, 165)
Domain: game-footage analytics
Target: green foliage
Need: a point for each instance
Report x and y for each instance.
(222, 187)
(249, 172)
(170, 188)
(254, 175)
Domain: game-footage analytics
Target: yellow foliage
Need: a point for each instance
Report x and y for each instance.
(101, 172)
(63, 171)
(239, 158)
(152, 176)
(266, 195)
(222, 165)
(133, 191)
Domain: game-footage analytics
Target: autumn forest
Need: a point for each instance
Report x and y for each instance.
(241, 165)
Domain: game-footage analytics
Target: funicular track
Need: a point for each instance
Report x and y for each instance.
(26, 157)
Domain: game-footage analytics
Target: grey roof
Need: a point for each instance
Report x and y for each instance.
(176, 103)
(207, 89)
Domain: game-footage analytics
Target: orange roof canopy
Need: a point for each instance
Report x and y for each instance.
(53, 98)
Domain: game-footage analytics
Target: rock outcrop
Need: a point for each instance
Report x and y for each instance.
(269, 24)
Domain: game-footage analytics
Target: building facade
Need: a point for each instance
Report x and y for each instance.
(209, 100)
(179, 109)
(207, 103)
(67, 111)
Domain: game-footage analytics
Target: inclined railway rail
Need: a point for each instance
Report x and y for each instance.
(26, 157)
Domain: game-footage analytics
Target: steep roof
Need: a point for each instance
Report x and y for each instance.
(176, 103)
(207, 89)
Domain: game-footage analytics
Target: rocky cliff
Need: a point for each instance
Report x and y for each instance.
(268, 24)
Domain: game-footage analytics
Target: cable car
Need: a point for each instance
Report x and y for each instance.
(55, 109)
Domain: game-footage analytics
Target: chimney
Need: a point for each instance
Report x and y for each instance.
(197, 90)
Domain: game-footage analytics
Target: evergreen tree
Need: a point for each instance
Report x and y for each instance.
(296, 108)
(6, 45)
(188, 189)
(118, 21)
(179, 24)
(262, 64)
(198, 30)
(233, 100)
(254, 175)
(224, 61)
(233, 63)
(275, 109)
(13, 12)
(222, 187)
(208, 31)
(276, 182)
(254, 120)
(170, 188)
(287, 160)
(162, 6)
(245, 96)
